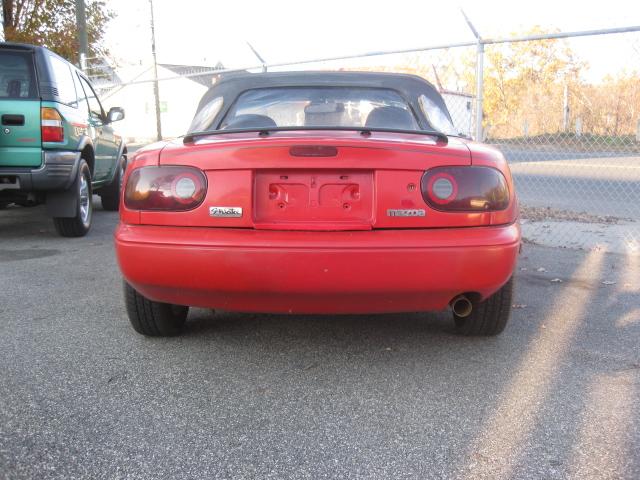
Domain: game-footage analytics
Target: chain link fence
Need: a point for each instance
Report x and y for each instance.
(573, 142)
(571, 137)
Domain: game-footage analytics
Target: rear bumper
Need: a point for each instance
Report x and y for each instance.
(57, 173)
(315, 272)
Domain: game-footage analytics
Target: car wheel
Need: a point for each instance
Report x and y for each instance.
(110, 194)
(79, 225)
(153, 319)
(490, 316)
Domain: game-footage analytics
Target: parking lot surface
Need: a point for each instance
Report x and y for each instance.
(273, 396)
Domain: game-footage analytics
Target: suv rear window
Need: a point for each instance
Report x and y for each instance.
(17, 79)
(320, 107)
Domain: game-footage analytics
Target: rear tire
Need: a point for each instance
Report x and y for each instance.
(489, 317)
(153, 319)
(110, 194)
(79, 225)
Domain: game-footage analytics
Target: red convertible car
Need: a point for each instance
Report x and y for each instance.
(322, 193)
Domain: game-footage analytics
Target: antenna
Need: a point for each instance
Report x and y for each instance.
(262, 60)
(435, 73)
(473, 29)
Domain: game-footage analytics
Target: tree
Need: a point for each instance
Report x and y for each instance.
(52, 23)
(611, 107)
(524, 84)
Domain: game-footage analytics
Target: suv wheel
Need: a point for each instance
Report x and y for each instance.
(490, 316)
(153, 319)
(79, 225)
(110, 194)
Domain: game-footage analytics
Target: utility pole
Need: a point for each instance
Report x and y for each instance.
(156, 89)
(83, 39)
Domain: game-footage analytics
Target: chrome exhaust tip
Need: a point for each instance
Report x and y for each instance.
(461, 306)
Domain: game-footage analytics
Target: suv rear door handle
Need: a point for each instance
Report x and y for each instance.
(12, 120)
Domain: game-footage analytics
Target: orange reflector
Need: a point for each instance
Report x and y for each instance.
(47, 113)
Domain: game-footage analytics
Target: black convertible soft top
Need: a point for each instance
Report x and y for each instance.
(410, 87)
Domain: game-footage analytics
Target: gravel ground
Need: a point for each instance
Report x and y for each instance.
(541, 214)
(248, 396)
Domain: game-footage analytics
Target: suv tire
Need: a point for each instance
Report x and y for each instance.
(153, 319)
(488, 317)
(110, 194)
(79, 225)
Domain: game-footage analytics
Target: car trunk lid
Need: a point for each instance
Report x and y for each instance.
(351, 186)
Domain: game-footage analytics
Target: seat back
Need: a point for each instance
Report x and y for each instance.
(13, 88)
(391, 117)
(250, 121)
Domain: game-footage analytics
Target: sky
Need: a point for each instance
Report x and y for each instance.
(203, 32)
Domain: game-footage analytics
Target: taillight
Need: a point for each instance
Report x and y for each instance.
(51, 125)
(465, 189)
(313, 151)
(165, 188)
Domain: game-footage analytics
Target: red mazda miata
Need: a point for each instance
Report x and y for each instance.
(323, 192)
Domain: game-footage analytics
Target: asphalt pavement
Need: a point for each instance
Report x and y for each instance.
(538, 152)
(602, 186)
(557, 395)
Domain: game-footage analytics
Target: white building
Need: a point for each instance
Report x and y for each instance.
(460, 106)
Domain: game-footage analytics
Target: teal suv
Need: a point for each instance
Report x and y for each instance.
(57, 144)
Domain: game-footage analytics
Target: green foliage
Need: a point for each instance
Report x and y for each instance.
(52, 23)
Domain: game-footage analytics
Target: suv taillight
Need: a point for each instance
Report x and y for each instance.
(165, 188)
(51, 125)
(465, 189)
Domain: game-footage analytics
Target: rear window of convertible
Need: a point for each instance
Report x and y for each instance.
(320, 107)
